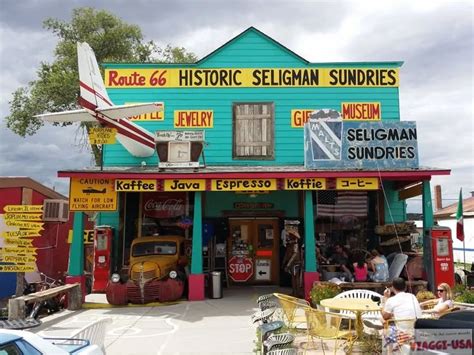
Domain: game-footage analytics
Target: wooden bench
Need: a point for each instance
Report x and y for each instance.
(412, 286)
(17, 306)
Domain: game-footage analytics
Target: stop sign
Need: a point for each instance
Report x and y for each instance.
(240, 268)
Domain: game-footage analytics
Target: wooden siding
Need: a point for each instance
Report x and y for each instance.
(395, 209)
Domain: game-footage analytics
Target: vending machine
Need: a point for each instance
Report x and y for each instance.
(102, 257)
(442, 255)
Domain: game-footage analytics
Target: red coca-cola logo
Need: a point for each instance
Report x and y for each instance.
(163, 205)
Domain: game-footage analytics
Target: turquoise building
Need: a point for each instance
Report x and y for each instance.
(239, 173)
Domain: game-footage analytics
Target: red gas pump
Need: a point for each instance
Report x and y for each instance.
(102, 257)
(442, 252)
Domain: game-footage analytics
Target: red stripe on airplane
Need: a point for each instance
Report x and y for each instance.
(125, 133)
(91, 90)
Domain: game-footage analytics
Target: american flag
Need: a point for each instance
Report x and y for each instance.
(342, 203)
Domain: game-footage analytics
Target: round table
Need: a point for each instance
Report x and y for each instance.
(356, 305)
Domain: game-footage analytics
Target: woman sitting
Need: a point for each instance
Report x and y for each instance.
(443, 303)
(379, 266)
(360, 270)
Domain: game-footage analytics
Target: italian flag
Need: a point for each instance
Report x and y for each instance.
(459, 223)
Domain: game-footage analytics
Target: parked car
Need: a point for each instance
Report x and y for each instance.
(24, 342)
(157, 272)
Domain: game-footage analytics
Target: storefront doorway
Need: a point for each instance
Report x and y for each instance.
(254, 242)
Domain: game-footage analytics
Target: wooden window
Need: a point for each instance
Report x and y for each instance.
(253, 130)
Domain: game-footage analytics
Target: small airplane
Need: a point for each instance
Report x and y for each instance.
(97, 107)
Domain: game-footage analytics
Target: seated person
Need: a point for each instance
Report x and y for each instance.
(443, 303)
(379, 267)
(360, 270)
(341, 259)
(320, 257)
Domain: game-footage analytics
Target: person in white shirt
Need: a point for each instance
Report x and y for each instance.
(443, 303)
(402, 306)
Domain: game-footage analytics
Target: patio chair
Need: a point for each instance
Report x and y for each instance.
(360, 294)
(286, 351)
(293, 309)
(327, 326)
(278, 341)
(94, 332)
(397, 265)
(265, 301)
(263, 316)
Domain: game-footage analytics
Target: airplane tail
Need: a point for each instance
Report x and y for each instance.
(93, 93)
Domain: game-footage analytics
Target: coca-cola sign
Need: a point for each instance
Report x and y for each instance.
(163, 204)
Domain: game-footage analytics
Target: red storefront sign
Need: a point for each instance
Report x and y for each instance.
(240, 268)
(164, 204)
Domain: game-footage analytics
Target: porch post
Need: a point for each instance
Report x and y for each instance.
(311, 264)
(427, 225)
(196, 278)
(76, 253)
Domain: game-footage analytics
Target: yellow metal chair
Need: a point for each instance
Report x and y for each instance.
(398, 333)
(328, 326)
(293, 309)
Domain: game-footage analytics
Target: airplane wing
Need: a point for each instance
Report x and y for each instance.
(68, 116)
(122, 111)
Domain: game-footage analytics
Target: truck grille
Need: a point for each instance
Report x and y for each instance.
(147, 275)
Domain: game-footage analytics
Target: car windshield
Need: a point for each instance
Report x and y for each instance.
(154, 248)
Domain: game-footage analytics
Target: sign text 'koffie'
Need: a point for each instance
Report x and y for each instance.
(305, 184)
(137, 185)
(251, 77)
(92, 194)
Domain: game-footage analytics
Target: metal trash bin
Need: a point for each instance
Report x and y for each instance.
(215, 289)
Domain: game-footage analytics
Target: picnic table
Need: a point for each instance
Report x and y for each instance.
(413, 286)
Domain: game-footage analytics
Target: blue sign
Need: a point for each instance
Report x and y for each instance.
(338, 144)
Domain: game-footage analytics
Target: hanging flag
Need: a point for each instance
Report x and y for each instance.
(342, 203)
(459, 218)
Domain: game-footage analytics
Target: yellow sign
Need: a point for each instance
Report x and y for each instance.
(300, 116)
(22, 233)
(193, 119)
(19, 250)
(27, 225)
(92, 194)
(357, 183)
(23, 216)
(135, 185)
(23, 208)
(17, 268)
(185, 185)
(102, 135)
(17, 259)
(88, 236)
(251, 77)
(18, 242)
(361, 111)
(305, 184)
(152, 116)
(243, 184)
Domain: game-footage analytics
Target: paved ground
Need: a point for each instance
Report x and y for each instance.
(217, 326)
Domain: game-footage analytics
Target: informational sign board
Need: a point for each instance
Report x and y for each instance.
(137, 185)
(334, 144)
(23, 208)
(240, 268)
(102, 135)
(243, 184)
(305, 184)
(193, 119)
(166, 136)
(263, 269)
(184, 185)
(357, 183)
(91, 194)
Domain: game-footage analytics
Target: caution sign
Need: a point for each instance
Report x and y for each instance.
(102, 135)
(23, 208)
(90, 194)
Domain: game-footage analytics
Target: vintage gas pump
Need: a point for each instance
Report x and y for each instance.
(102, 257)
(442, 255)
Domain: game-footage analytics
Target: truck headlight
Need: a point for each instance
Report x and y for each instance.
(115, 278)
(173, 274)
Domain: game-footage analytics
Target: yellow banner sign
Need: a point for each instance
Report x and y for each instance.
(305, 184)
(19, 250)
(102, 135)
(243, 184)
(251, 77)
(361, 111)
(357, 183)
(135, 185)
(22, 233)
(23, 208)
(300, 116)
(23, 216)
(17, 259)
(152, 116)
(88, 236)
(13, 242)
(17, 268)
(91, 194)
(193, 118)
(185, 185)
(37, 226)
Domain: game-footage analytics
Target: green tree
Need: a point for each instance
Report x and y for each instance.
(56, 88)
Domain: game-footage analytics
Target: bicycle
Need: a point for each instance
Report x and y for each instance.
(51, 305)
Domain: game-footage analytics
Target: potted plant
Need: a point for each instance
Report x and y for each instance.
(321, 291)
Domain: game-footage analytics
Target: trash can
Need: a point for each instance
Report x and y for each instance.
(215, 289)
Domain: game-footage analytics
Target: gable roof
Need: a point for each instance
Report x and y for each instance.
(249, 30)
(449, 212)
(23, 181)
